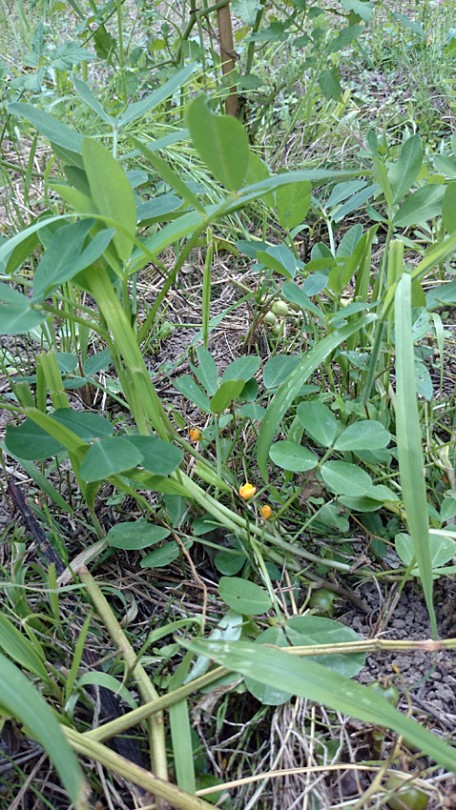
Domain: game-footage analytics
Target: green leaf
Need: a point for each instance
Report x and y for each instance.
(29, 441)
(111, 192)
(292, 204)
(107, 457)
(277, 369)
(137, 535)
(318, 422)
(51, 128)
(66, 256)
(221, 143)
(404, 173)
(279, 259)
(83, 90)
(247, 10)
(442, 549)
(226, 394)
(159, 457)
(329, 81)
(244, 597)
(207, 372)
(187, 386)
(366, 434)
(18, 647)
(292, 456)
(293, 384)
(16, 314)
(408, 437)
(161, 556)
(317, 683)
(424, 204)
(303, 631)
(449, 208)
(23, 702)
(140, 108)
(244, 368)
(362, 8)
(269, 695)
(299, 295)
(345, 479)
(85, 424)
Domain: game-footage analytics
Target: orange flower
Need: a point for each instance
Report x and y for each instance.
(195, 434)
(266, 511)
(247, 491)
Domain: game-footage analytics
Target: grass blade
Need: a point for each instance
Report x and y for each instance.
(312, 680)
(24, 702)
(408, 436)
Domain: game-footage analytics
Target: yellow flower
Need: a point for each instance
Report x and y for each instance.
(266, 511)
(247, 491)
(195, 434)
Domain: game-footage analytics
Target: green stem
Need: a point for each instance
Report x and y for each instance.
(146, 688)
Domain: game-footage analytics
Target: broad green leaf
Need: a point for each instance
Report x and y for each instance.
(362, 8)
(247, 10)
(159, 457)
(424, 204)
(367, 434)
(29, 441)
(258, 170)
(317, 683)
(51, 128)
(66, 256)
(111, 192)
(277, 369)
(244, 597)
(404, 173)
(140, 108)
(318, 422)
(442, 549)
(16, 314)
(244, 368)
(269, 695)
(329, 81)
(187, 386)
(171, 177)
(449, 208)
(292, 204)
(345, 479)
(135, 535)
(299, 295)
(221, 142)
(226, 394)
(107, 457)
(292, 456)
(279, 259)
(85, 424)
(206, 372)
(229, 562)
(21, 649)
(408, 437)
(356, 201)
(161, 556)
(362, 503)
(446, 164)
(83, 90)
(303, 631)
(23, 702)
(293, 384)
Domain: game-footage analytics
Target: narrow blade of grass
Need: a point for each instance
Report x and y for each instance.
(408, 436)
